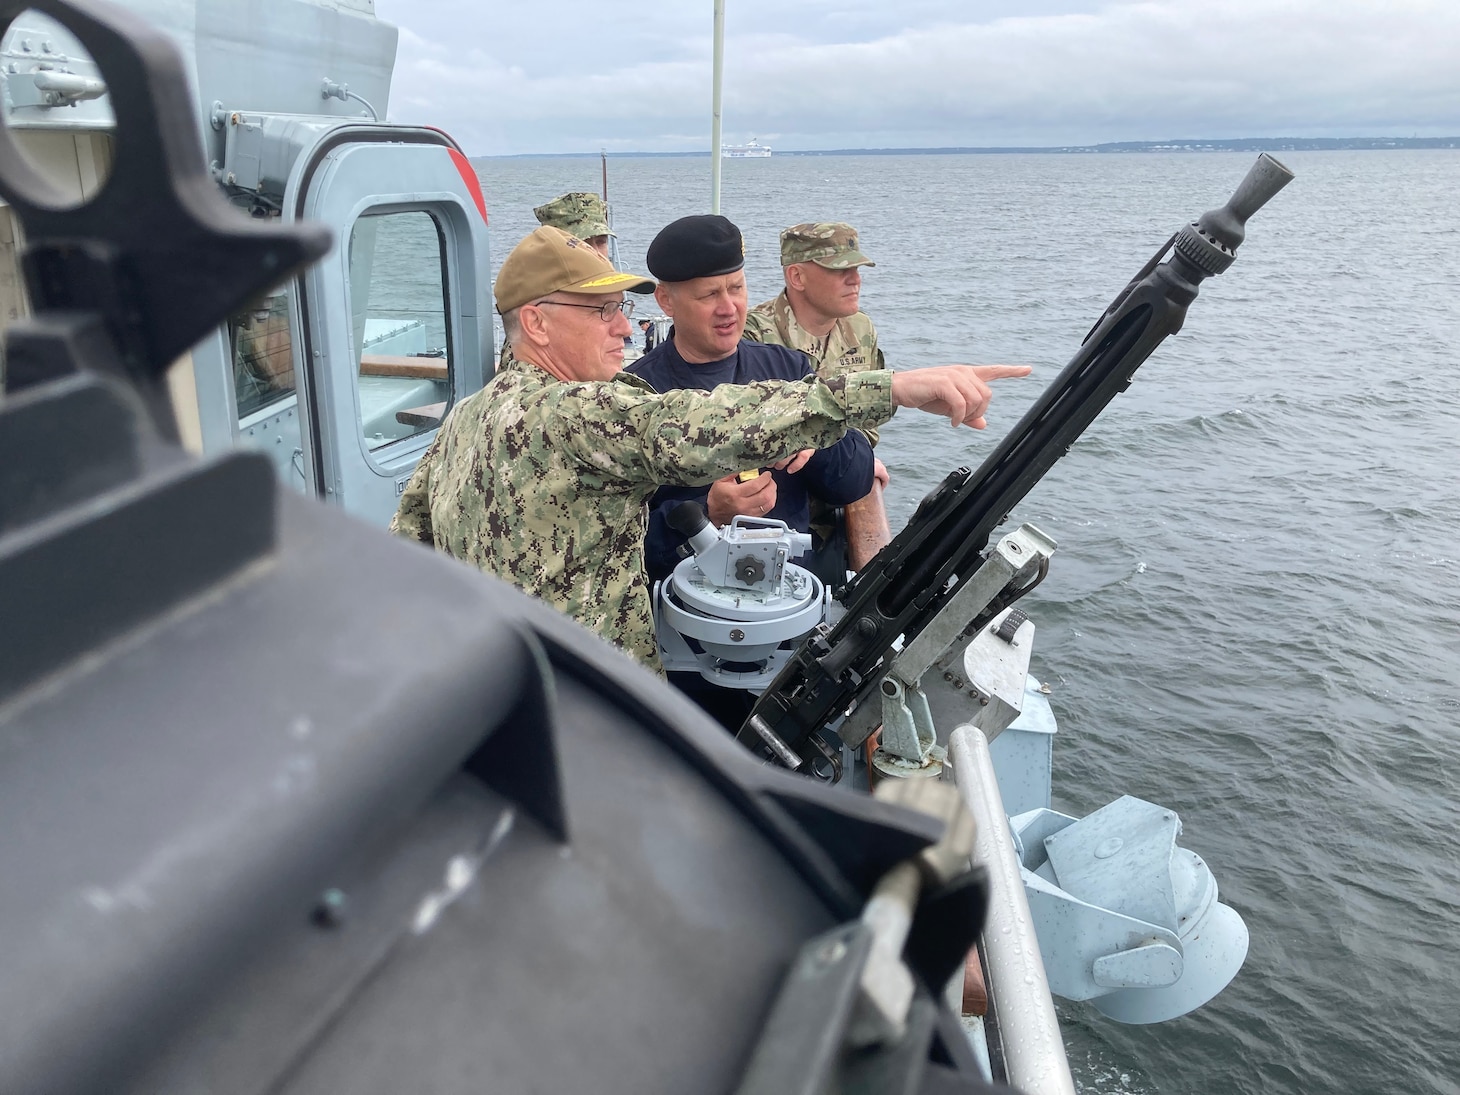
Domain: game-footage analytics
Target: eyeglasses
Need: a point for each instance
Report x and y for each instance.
(606, 312)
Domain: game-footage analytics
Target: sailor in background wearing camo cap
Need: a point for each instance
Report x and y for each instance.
(580, 214)
(819, 313)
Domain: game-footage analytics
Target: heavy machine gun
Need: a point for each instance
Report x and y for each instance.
(915, 577)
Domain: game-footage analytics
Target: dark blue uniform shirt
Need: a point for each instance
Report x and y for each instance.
(837, 475)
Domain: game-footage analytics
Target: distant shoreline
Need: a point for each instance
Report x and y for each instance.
(1239, 144)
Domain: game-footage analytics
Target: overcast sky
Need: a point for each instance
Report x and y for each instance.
(572, 76)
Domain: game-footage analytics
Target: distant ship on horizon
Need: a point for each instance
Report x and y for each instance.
(751, 151)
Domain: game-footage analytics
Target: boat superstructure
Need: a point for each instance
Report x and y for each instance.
(339, 376)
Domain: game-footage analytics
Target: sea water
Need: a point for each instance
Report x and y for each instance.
(1253, 617)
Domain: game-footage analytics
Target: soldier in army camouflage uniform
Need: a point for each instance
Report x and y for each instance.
(542, 477)
(817, 312)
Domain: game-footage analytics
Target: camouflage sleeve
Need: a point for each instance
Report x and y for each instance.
(878, 362)
(690, 438)
(759, 327)
(872, 349)
(872, 354)
(413, 516)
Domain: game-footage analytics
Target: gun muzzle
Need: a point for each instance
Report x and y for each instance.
(1210, 243)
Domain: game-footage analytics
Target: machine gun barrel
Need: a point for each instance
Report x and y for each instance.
(904, 587)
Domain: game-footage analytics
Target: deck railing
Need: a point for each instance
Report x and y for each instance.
(1028, 1031)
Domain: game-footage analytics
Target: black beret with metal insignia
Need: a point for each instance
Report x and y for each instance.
(703, 246)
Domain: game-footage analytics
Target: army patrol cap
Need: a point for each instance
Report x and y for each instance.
(550, 260)
(578, 213)
(703, 246)
(831, 244)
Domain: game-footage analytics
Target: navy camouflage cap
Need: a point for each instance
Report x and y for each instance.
(578, 213)
(831, 244)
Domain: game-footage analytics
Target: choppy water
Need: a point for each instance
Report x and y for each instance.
(1254, 613)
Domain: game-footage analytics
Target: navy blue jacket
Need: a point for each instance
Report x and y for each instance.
(837, 475)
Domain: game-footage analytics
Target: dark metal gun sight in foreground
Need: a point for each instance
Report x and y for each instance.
(129, 279)
(929, 561)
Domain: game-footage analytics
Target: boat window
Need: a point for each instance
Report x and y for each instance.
(398, 307)
(263, 359)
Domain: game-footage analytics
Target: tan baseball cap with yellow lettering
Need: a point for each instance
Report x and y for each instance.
(550, 260)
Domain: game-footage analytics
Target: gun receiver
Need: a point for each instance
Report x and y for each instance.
(915, 575)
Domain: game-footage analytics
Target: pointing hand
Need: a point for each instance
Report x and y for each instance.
(960, 392)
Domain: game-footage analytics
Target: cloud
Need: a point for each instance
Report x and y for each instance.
(1123, 71)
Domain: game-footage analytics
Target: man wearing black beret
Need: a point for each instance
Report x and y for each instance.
(699, 263)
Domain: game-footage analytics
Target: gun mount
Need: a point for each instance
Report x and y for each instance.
(913, 578)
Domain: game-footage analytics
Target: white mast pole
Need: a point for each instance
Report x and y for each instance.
(719, 73)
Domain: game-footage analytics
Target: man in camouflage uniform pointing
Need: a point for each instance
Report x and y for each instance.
(542, 477)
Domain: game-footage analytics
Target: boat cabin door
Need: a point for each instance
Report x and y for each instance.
(395, 323)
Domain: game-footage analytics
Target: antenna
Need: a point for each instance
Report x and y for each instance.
(718, 79)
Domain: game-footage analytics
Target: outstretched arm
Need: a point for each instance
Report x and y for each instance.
(692, 437)
(621, 431)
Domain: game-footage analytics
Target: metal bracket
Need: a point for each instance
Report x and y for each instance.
(1125, 917)
(994, 668)
(909, 743)
(1015, 560)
